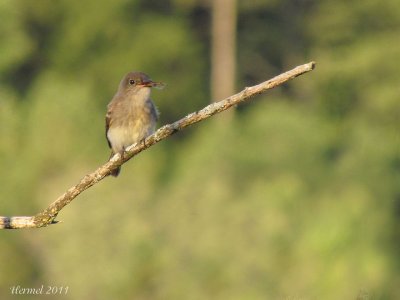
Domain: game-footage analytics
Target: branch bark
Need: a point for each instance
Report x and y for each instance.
(48, 215)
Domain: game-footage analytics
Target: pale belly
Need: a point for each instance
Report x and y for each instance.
(124, 136)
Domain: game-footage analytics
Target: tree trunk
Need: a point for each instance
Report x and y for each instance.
(223, 49)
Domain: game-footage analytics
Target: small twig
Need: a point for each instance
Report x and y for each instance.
(48, 215)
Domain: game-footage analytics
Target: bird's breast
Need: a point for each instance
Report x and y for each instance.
(130, 126)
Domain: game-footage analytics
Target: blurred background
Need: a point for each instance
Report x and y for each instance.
(295, 195)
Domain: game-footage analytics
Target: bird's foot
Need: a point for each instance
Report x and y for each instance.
(122, 153)
(143, 142)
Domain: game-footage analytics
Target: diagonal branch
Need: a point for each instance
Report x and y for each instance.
(48, 215)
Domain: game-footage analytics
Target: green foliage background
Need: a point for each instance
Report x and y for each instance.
(298, 197)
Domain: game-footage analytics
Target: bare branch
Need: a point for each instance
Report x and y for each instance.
(48, 215)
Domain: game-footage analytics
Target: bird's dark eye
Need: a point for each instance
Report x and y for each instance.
(131, 81)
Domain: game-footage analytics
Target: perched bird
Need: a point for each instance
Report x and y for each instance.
(131, 115)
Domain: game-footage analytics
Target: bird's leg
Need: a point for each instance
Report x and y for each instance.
(143, 141)
(122, 153)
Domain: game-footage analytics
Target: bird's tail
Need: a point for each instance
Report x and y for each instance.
(116, 171)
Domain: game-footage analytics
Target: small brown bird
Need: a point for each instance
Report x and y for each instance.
(131, 115)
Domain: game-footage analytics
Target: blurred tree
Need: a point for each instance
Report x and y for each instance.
(359, 69)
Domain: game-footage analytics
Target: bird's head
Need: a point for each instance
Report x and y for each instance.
(137, 81)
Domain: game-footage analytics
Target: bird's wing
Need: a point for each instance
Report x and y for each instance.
(154, 111)
(108, 122)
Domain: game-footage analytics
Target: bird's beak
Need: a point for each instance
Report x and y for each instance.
(158, 85)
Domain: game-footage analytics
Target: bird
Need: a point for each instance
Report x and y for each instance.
(131, 114)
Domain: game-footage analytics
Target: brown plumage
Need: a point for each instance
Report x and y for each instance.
(131, 115)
